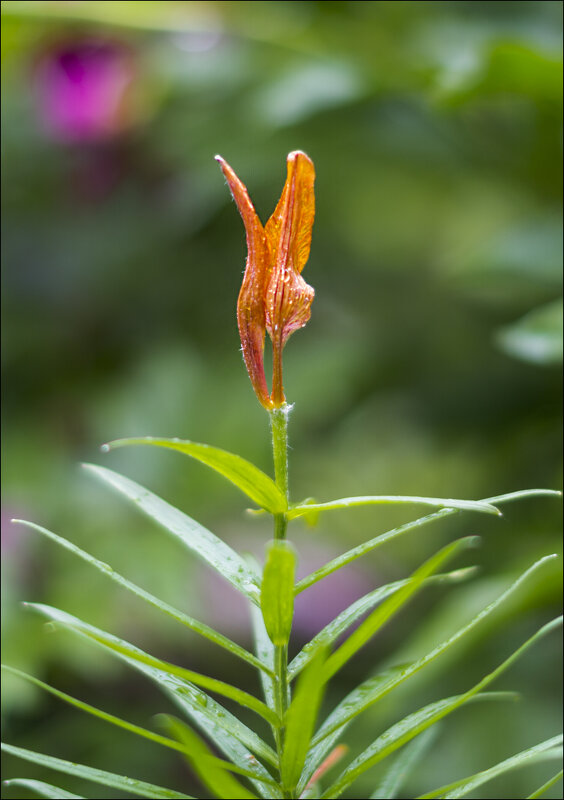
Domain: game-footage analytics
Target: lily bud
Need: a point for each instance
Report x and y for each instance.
(274, 297)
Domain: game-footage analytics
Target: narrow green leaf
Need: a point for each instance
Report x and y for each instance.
(232, 737)
(374, 688)
(121, 782)
(44, 789)
(370, 500)
(277, 593)
(193, 535)
(300, 721)
(205, 764)
(173, 744)
(383, 613)
(402, 732)
(124, 648)
(404, 764)
(546, 786)
(363, 696)
(377, 541)
(349, 616)
(332, 729)
(340, 624)
(197, 627)
(228, 733)
(545, 751)
(249, 479)
(264, 648)
(324, 744)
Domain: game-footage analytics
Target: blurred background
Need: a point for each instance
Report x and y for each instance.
(431, 364)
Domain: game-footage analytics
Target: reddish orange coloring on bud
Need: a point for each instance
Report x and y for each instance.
(333, 758)
(274, 297)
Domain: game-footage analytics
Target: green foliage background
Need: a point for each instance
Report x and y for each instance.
(430, 365)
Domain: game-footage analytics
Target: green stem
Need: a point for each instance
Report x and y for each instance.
(279, 427)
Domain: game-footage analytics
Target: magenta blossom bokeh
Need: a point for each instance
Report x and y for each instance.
(83, 89)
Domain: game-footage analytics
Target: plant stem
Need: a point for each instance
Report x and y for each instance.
(277, 388)
(279, 427)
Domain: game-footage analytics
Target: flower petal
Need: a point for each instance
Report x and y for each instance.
(250, 304)
(288, 297)
(289, 228)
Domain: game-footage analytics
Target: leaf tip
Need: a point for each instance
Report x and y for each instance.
(107, 446)
(255, 512)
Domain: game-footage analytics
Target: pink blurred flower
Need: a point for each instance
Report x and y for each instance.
(83, 89)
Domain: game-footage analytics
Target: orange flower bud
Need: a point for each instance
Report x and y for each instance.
(274, 297)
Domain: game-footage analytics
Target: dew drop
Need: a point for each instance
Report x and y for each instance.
(105, 448)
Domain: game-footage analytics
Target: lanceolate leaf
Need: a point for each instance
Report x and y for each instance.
(210, 773)
(332, 730)
(265, 651)
(124, 784)
(372, 544)
(318, 751)
(374, 688)
(264, 648)
(231, 736)
(546, 786)
(198, 627)
(405, 731)
(277, 593)
(250, 479)
(349, 616)
(411, 726)
(300, 721)
(173, 744)
(227, 732)
(193, 535)
(361, 697)
(340, 624)
(44, 789)
(384, 612)
(124, 648)
(404, 764)
(546, 751)
(370, 500)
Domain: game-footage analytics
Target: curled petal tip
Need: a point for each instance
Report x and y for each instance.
(295, 154)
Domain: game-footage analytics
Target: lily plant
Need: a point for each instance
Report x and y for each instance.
(305, 754)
